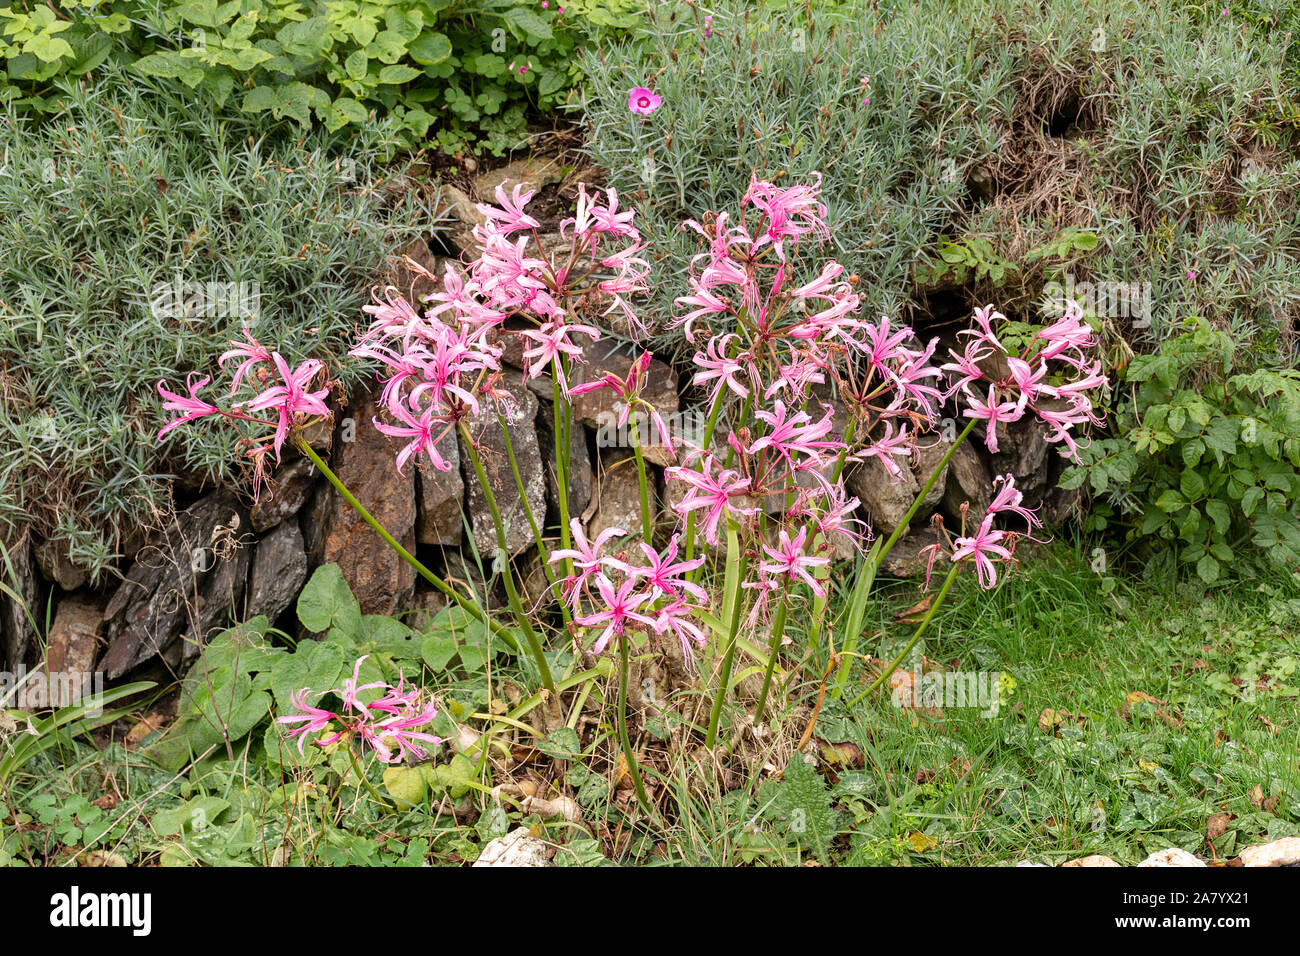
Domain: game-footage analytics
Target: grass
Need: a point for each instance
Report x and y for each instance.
(1152, 739)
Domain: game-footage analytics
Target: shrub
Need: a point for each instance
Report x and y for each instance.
(104, 209)
(990, 141)
(468, 68)
(1207, 456)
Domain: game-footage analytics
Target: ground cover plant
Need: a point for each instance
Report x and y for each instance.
(134, 246)
(453, 72)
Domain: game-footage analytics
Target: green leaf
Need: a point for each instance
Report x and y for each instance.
(802, 803)
(398, 73)
(437, 650)
(1208, 569)
(529, 22)
(193, 816)
(407, 784)
(430, 49)
(561, 744)
(327, 603)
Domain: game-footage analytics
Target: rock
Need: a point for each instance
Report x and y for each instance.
(929, 452)
(1060, 505)
(581, 473)
(905, 559)
(1171, 857)
(52, 558)
(885, 497)
(278, 573)
(220, 600)
(71, 651)
(536, 171)
(1023, 452)
(517, 848)
(441, 494)
(285, 495)
(1094, 860)
(455, 205)
(381, 580)
(410, 282)
(1283, 852)
(17, 635)
(599, 409)
(167, 585)
(492, 452)
(968, 481)
(618, 496)
(427, 603)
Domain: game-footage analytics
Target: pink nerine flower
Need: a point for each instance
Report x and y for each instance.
(719, 494)
(663, 573)
(642, 100)
(586, 557)
(190, 408)
(387, 725)
(290, 398)
(620, 609)
(789, 561)
(983, 547)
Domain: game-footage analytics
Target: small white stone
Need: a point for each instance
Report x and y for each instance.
(517, 848)
(1171, 857)
(1283, 852)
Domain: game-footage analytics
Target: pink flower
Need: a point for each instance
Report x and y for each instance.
(620, 609)
(642, 100)
(253, 354)
(992, 411)
(420, 431)
(663, 572)
(788, 561)
(717, 494)
(312, 719)
(290, 398)
(508, 214)
(715, 365)
(1009, 498)
(585, 555)
(191, 408)
(983, 547)
(676, 618)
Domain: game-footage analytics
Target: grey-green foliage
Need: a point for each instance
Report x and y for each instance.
(127, 191)
(1168, 129)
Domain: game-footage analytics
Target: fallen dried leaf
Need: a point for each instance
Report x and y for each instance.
(1217, 826)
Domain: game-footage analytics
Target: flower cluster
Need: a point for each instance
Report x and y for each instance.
(779, 349)
(656, 595)
(273, 387)
(443, 361)
(388, 725)
(1010, 386)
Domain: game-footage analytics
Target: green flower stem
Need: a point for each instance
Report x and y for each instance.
(507, 574)
(629, 754)
(356, 768)
(463, 602)
(542, 550)
(774, 647)
(880, 555)
(925, 622)
(708, 440)
(647, 525)
(560, 427)
(728, 658)
(925, 490)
